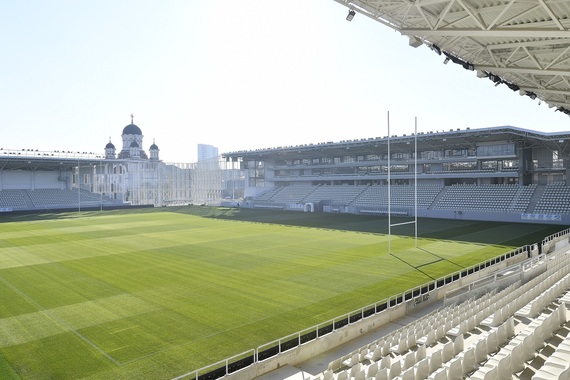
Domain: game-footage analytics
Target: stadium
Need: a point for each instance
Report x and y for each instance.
(440, 254)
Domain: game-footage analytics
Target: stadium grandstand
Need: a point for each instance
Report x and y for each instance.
(500, 173)
(49, 180)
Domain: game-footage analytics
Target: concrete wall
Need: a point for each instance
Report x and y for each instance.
(487, 216)
(29, 180)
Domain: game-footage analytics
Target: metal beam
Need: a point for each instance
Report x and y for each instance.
(502, 33)
(522, 70)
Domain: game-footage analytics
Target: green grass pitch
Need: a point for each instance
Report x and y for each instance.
(156, 293)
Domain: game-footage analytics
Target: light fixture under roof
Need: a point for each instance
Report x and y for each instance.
(350, 15)
(415, 42)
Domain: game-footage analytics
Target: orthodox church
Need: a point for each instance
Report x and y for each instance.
(132, 146)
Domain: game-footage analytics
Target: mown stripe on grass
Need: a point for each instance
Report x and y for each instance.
(27, 327)
(13, 257)
(59, 322)
(6, 371)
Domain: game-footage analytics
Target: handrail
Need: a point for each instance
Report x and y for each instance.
(221, 364)
(555, 235)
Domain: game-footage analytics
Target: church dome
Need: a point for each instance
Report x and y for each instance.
(109, 145)
(154, 147)
(134, 144)
(132, 129)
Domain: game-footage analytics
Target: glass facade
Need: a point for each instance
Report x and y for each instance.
(496, 150)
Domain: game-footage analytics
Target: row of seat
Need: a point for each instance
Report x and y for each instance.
(555, 198)
(521, 201)
(42, 198)
(428, 330)
(12, 199)
(557, 365)
(411, 352)
(377, 196)
(486, 198)
(292, 194)
(339, 194)
(468, 359)
(511, 358)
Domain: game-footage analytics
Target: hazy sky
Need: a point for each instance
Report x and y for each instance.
(237, 75)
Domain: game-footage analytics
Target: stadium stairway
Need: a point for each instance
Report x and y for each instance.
(440, 195)
(28, 200)
(535, 198)
(519, 332)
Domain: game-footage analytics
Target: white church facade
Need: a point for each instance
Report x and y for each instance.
(132, 146)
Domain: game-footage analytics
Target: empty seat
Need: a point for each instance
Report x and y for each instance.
(351, 360)
(439, 374)
(455, 369)
(459, 330)
(420, 353)
(492, 342)
(428, 339)
(372, 369)
(469, 362)
(495, 320)
(385, 362)
(342, 375)
(481, 351)
(401, 347)
(335, 364)
(409, 360)
(528, 346)
(458, 345)
(517, 360)
(485, 373)
(408, 374)
(436, 360)
(447, 353)
(395, 369)
(375, 355)
(503, 365)
(382, 374)
(422, 369)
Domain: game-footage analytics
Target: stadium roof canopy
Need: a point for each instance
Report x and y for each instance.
(520, 43)
(30, 159)
(452, 139)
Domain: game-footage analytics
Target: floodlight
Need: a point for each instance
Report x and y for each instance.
(415, 42)
(351, 14)
(446, 61)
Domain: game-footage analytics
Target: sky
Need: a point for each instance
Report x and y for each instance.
(236, 75)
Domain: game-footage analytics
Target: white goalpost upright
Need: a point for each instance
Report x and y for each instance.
(415, 221)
